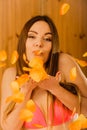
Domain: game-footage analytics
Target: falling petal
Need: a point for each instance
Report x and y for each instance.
(37, 52)
(83, 121)
(26, 115)
(38, 125)
(76, 125)
(64, 9)
(36, 70)
(36, 62)
(82, 63)
(8, 99)
(30, 105)
(79, 124)
(38, 74)
(85, 54)
(26, 69)
(15, 86)
(3, 55)
(35, 75)
(14, 57)
(22, 79)
(2, 65)
(73, 73)
(16, 97)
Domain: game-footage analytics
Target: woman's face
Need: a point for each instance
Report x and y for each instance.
(39, 41)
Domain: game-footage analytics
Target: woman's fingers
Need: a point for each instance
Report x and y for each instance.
(58, 76)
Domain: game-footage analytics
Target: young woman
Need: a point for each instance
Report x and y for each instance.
(55, 97)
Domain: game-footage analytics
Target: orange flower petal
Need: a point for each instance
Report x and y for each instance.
(76, 125)
(30, 105)
(26, 69)
(15, 86)
(37, 52)
(18, 97)
(64, 8)
(81, 63)
(73, 73)
(2, 65)
(36, 62)
(22, 79)
(3, 55)
(38, 74)
(84, 124)
(83, 121)
(26, 115)
(37, 71)
(85, 54)
(14, 57)
(79, 124)
(35, 75)
(38, 125)
(8, 99)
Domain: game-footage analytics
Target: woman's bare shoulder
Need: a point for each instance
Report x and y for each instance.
(67, 61)
(8, 76)
(10, 71)
(64, 58)
(66, 64)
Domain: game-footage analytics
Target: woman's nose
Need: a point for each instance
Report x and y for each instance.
(39, 43)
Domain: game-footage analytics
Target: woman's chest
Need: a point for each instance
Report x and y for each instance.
(40, 97)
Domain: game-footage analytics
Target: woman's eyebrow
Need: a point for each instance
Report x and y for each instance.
(33, 31)
(47, 33)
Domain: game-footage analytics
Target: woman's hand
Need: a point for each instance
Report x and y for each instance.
(51, 82)
(29, 86)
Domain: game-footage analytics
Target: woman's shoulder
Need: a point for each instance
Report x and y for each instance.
(66, 59)
(9, 73)
(66, 63)
(8, 76)
(10, 70)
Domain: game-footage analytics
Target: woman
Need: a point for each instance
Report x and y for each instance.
(54, 101)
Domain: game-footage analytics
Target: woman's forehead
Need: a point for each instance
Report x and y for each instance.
(40, 25)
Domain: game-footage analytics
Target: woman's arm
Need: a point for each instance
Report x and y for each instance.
(67, 98)
(12, 121)
(66, 63)
(84, 105)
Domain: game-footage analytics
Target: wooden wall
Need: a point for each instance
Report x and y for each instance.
(71, 27)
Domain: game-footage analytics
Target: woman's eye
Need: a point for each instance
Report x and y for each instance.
(48, 39)
(31, 36)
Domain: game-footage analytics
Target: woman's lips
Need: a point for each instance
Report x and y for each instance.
(37, 52)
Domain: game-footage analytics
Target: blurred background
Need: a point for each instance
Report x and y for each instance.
(71, 26)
